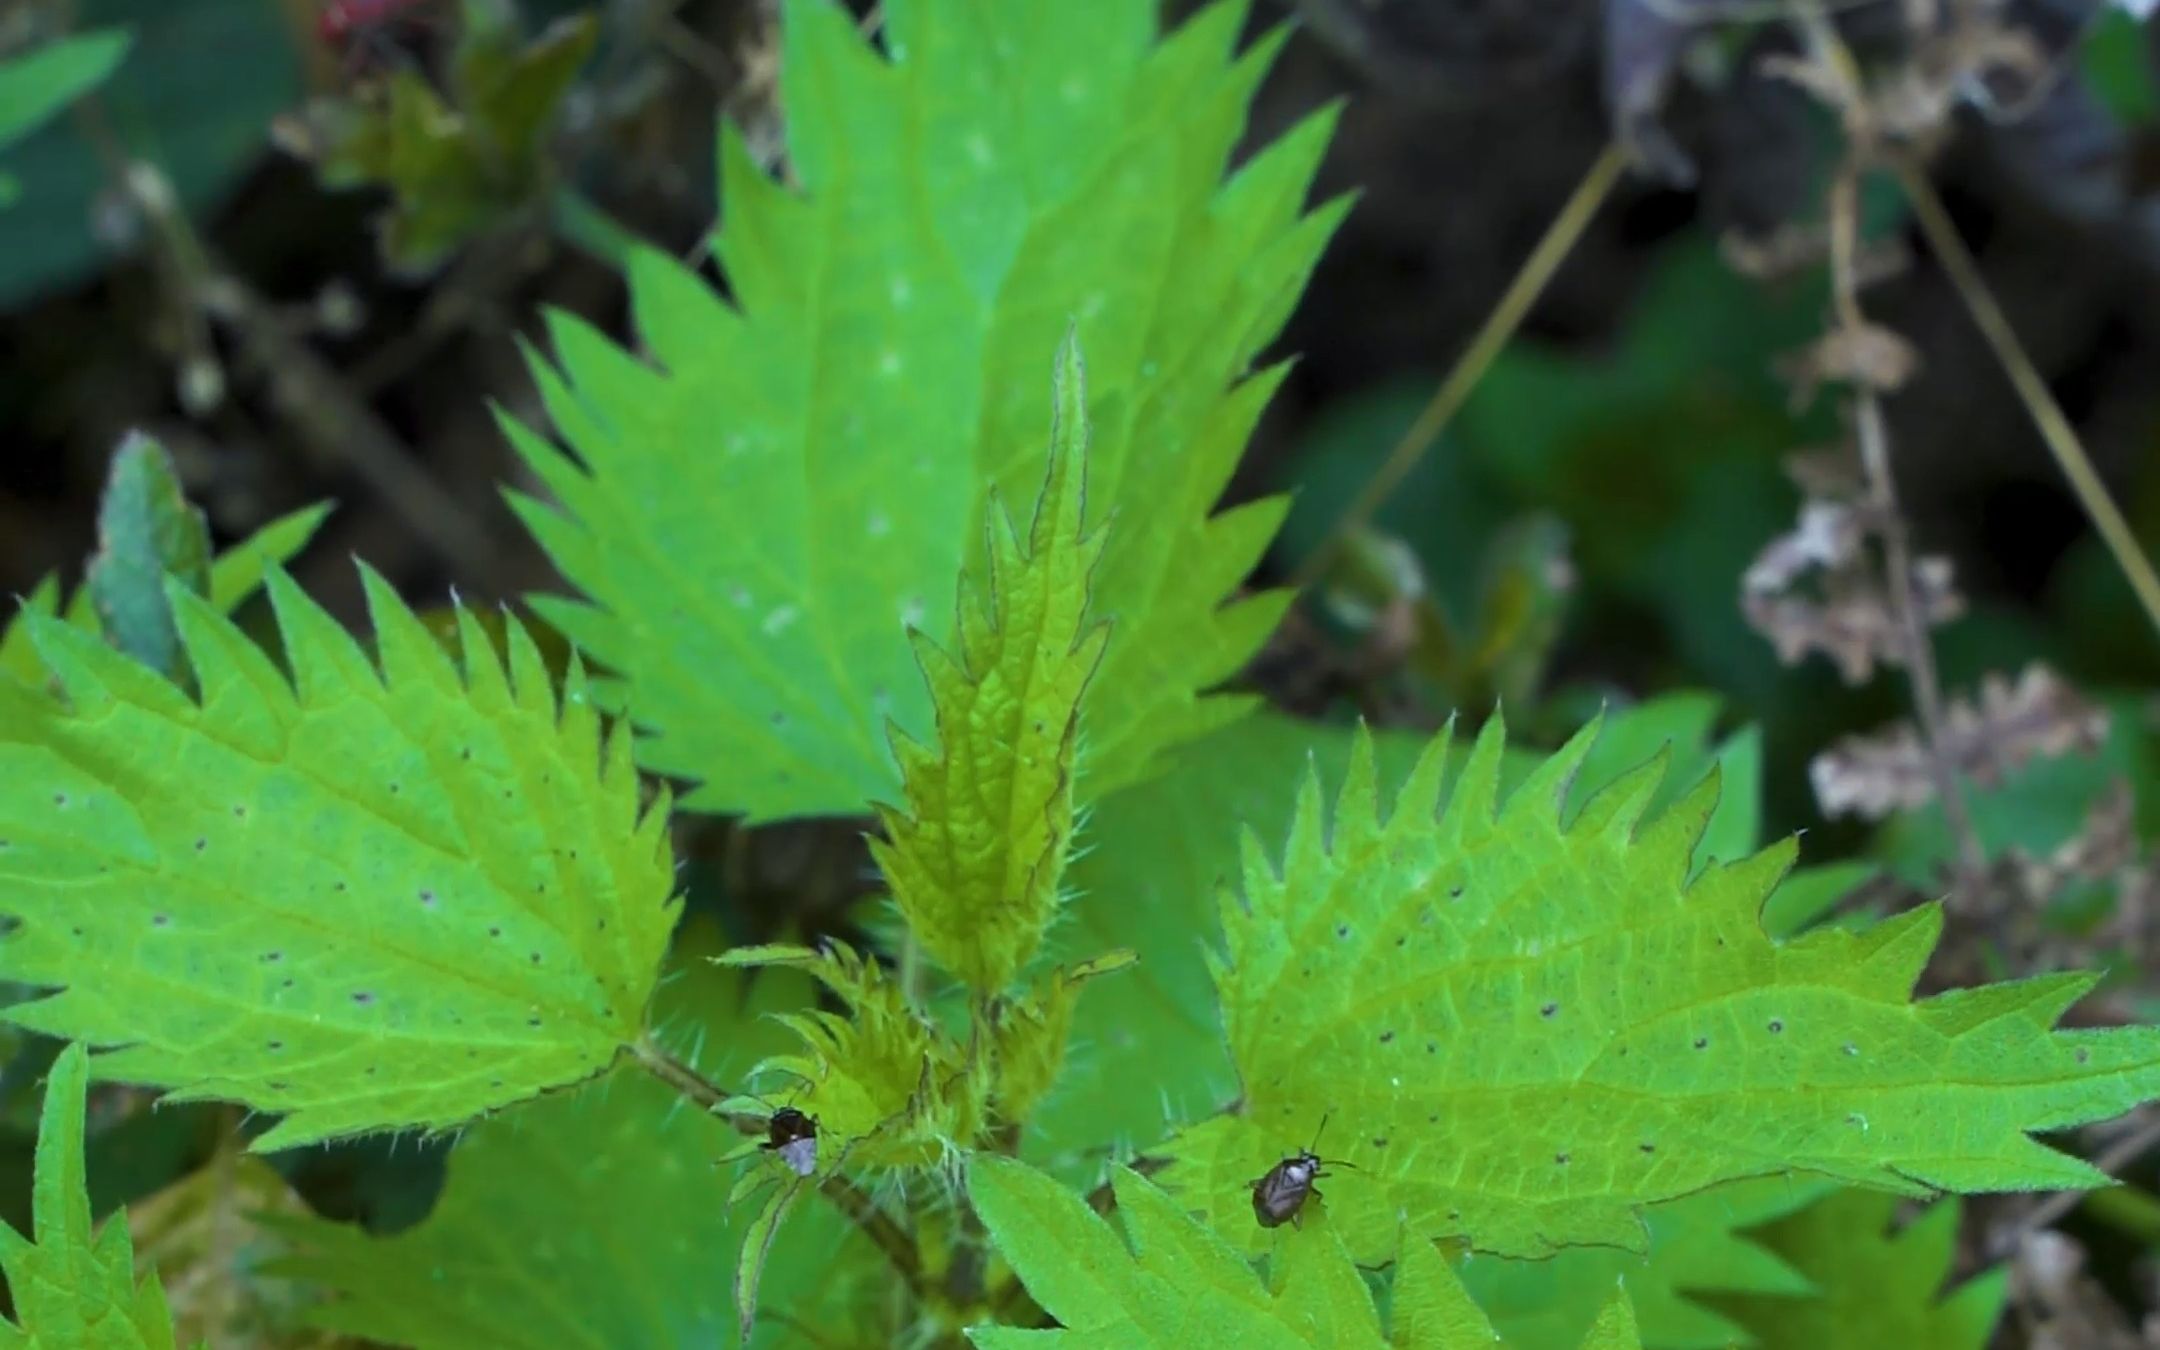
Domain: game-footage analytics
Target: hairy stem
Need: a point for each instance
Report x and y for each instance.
(850, 1199)
(1492, 337)
(2047, 415)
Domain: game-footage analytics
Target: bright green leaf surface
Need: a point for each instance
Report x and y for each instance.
(1033, 1029)
(75, 1287)
(1431, 1309)
(620, 1230)
(975, 858)
(1530, 1031)
(1147, 1046)
(756, 514)
(1168, 1282)
(238, 572)
(1177, 1287)
(376, 899)
(1878, 1289)
(147, 531)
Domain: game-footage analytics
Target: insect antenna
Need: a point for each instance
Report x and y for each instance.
(1313, 1149)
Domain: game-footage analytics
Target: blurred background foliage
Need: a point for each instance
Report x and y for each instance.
(303, 266)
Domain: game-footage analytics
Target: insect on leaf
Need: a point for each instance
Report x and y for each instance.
(1148, 1047)
(361, 898)
(74, 1286)
(1171, 1284)
(975, 858)
(1530, 1022)
(884, 1083)
(755, 515)
(625, 1236)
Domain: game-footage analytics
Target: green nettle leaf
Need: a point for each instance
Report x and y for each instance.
(997, 174)
(1148, 1048)
(1179, 1285)
(1032, 1032)
(1432, 1311)
(1696, 1246)
(75, 1286)
(359, 899)
(147, 531)
(975, 859)
(1877, 1289)
(235, 576)
(885, 1083)
(1527, 1026)
(623, 1231)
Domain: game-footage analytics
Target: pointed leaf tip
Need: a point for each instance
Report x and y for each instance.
(1017, 275)
(976, 858)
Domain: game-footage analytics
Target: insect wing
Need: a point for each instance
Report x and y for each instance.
(800, 1155)
(1278, 1196)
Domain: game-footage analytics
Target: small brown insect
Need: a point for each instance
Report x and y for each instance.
(1278, 1197)
(793, 1136)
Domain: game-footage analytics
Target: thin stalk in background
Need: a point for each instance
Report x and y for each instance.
(1469, 368)
(2047, 415)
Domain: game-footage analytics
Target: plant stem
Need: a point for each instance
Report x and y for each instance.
(1873, 440)
(1874, 443)
(687, 1081)
(850, 1199)
(322, 411)
(1491, 338)
(2047, 415)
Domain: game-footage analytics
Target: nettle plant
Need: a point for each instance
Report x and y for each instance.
(1589, 1071)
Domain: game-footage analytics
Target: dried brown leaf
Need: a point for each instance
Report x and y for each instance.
(1816, 588)
(1985, 740)
(204, 1235)
(1865, 354)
